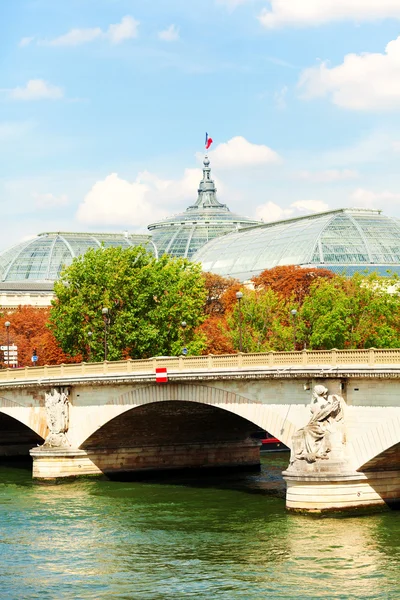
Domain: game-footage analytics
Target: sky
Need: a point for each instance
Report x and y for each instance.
(104, 105)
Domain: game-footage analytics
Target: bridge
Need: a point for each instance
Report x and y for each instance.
(115, 417)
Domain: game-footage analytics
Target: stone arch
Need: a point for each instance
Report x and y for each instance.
(32, 417)
(17, 436)
(273, 419)
(377, 444)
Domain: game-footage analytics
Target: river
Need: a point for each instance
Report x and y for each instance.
(222, 537)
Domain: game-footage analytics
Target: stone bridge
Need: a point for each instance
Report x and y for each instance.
(114, 417)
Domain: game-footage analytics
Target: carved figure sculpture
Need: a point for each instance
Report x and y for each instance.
(313, 442)
(57, 413)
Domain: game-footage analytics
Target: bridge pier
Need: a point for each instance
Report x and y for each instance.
(58, 463)
(343, 492)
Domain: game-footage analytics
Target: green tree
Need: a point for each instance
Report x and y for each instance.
(147, 301)
(265, 322)
(357, 312)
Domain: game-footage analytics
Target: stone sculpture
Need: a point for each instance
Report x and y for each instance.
(314, 441)
(57, 414)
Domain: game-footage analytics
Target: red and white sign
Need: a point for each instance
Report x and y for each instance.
(161, 375)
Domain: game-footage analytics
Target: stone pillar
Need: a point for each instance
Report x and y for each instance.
(342, 492)
(320, 477)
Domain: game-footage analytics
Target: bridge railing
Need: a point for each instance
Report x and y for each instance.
(303, 358)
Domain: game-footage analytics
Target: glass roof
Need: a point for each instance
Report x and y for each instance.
(43, 258)
(183, 234)
(342, 240)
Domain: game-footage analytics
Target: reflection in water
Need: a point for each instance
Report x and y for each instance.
(223, 537)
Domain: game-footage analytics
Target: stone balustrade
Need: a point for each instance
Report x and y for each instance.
(305, 358)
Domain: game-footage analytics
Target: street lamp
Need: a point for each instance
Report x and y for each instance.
(7, 326)
(104, 312)
(294, 315)
(184, 325)
(239, 296)
(90, 334)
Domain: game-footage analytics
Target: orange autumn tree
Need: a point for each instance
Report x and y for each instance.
(220, 301)
(28, 330)
(291, 282)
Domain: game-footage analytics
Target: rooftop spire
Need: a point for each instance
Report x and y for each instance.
(207, 192)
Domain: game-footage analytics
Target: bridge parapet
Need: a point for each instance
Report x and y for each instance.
(272, 360)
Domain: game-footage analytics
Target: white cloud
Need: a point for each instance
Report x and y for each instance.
(115, 201)
(327, 176)
(316, 12)
(116, 33)
(239, 152)
(171, 34)
(126, 30)
(310, 206)
(270, 212)
(363, 198)
(362, 82)
(49, 200)
(75, 37)
(37, 89)
(25, 41)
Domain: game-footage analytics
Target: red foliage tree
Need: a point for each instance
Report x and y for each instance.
(214, 329)
(28, 331)
(291, 282)
(217, 289)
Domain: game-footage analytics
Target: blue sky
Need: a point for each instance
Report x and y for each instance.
(104, 105)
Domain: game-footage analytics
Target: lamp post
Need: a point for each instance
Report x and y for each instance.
(90, 334)
(184, 325)
(7, 326)
(104, 312)
(294, 315)
(239, 296)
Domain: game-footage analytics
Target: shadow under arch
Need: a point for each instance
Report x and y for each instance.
(16, 438)
(388, 460)
(173, 435)
(171, 422)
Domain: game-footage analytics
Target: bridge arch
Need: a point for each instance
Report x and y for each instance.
(379, 447)
(273, 419)
(32, 418)
(17, 436)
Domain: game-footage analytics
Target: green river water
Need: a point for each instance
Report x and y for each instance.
(223, 537)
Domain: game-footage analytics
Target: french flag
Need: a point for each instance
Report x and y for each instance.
(209, 141)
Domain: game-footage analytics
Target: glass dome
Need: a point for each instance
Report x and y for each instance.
(183, 234)
(43, 258)
(344, 241)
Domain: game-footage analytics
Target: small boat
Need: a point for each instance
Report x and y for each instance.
(269, 443)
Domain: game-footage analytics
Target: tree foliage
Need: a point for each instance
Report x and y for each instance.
(291, 282)
(357, 312)
(217, 288)
(265, 322)
(29, 331)
(147, 301)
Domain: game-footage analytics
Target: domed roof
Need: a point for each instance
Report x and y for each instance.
(183, 234)
(344, 241)
(43, 257)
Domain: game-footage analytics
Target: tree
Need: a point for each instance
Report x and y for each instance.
(217, 288)
(217, 338)
(29, 331)
(147, 301)
(357, 312)
(291, 282)
(265, 322)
